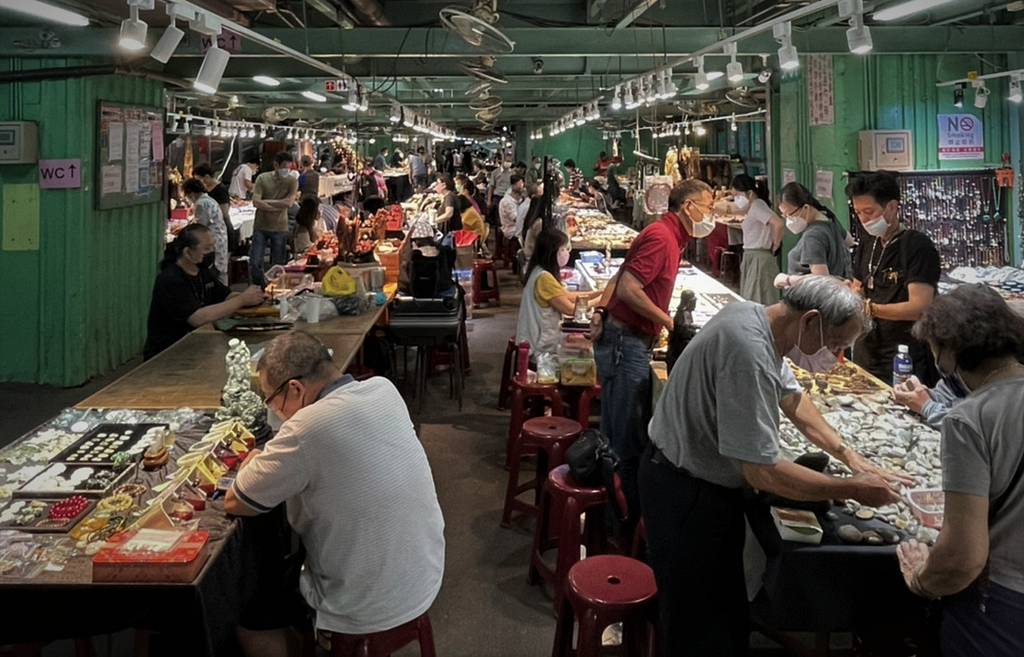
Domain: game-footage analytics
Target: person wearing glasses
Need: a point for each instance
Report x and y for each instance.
(359, 493)
(633, 310)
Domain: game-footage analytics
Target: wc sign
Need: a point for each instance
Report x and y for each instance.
(60, 174)
(961, 137)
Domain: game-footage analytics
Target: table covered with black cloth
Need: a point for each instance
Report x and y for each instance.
(399, 188)
(831, 587)
(196, 618)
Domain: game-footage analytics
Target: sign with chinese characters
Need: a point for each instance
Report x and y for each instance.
(820, 91)
(961, 137)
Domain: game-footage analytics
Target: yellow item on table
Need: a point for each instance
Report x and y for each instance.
(338, 283)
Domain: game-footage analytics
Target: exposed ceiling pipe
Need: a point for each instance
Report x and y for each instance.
(369, 12)
(36, 75)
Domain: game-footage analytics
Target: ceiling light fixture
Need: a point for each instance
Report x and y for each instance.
(699, 129)
(48, 12)
(363, 104)
(732, 123)
(734, 70)
(617, 97)
(396, 113)
(906, 9)
(958, 94)
(981, 93)
(628, 98)
(352, 102)
(1015, 92)
(858, 36)
(788, 58)
(133, 31)
(172, 36)
(212, 70)
(266, 80)
(702, 83)
(312, 95)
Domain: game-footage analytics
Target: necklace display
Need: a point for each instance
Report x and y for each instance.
(962, 212)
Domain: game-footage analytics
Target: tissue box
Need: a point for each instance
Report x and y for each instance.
(578, 372)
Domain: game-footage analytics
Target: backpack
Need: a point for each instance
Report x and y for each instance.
(592, 463)
(368, 187)
(431, 275)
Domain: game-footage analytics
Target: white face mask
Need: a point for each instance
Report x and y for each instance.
(795, 224)
(284, 173)
(741, 201)
(705, 227)
(877, 227)
(820, 361)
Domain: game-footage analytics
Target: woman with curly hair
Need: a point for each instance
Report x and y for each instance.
(977, 564)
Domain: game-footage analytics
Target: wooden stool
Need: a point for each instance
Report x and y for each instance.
(535, 395)
(563, 500)
(608, 589)
(382, 644)
(549, 437)
(480, 269)
(508, 372)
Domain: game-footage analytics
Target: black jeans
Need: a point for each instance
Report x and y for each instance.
(695, 534)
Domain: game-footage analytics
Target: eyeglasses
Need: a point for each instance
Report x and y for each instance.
(280, 389)
(702, 208)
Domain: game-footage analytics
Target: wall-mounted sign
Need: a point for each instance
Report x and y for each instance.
(225, 41)
(961, 137)
(60, 174)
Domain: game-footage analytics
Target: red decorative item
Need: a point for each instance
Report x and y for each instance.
(68, 508)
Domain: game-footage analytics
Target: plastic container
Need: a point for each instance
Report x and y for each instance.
(902, 365)
(523, 362)
(928, 505)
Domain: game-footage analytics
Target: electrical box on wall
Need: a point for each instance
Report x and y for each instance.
(18, 142)
(891, 150)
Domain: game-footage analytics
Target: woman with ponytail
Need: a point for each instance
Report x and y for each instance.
(762, 235)
(824, 246)
(187, 292)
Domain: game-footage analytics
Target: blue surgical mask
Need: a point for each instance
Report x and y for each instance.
(820, 361)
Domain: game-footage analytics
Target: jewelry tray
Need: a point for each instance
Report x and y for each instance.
(62, 529)
(59, 493)
(102, 442)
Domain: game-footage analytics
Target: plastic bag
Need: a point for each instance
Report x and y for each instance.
(547, 368)
(353, 304)
(338, 283)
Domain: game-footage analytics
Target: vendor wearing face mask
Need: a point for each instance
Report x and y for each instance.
(187, 292)
(715, 432)
(824, 246)
(762, 235)
(896, 270)
(634, 309)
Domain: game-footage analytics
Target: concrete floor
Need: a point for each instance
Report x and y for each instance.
(485, 607)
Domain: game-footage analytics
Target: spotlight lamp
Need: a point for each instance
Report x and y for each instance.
(981, 93)
(734, 70)
(617, 97)
(172, 36)
(958, 94)
(858, 36)
(627, 97)
(352, 102)
(686, 130)
(212, 70)
(699, 129)
(788, 59)
(1015, 91)
(732, 124)
(702, 83)
(133, 31)
(363, 103)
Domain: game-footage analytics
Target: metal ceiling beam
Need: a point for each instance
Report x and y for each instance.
(636, 12)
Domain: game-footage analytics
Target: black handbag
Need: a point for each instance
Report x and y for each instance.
(592, 463)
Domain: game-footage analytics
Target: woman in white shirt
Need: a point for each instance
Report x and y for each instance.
(762, 235)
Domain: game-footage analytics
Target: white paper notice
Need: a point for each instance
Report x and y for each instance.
(116, 132)
(788, 176)
(131, 157)
(823, 184)
(157, 130)
(111, 177)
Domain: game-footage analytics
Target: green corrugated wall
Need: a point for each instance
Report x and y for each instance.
(75, 308)
(886, 92)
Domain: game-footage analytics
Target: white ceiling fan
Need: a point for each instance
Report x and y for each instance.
(483, 70)
(475, 25)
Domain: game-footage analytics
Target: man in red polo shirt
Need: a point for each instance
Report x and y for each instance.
(634, 309)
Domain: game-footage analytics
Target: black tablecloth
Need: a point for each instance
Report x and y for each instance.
(399, 188)
(830, 587)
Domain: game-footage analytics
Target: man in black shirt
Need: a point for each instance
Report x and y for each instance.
(218, 192)
(187, 293)
(896, 270)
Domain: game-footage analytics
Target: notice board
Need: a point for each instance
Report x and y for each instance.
(130, 155)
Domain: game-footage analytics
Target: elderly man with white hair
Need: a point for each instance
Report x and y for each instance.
(716, 431)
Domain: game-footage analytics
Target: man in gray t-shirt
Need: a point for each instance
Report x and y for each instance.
(715, 431)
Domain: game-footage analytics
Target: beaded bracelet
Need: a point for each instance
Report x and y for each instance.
(131, 490)
(119, 502)
(68, 508)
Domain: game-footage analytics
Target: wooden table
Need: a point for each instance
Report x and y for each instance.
(192, 372)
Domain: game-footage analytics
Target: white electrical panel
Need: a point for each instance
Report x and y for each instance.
(891, 150)
(18, 142)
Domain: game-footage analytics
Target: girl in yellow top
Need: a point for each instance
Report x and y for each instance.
(545, 300)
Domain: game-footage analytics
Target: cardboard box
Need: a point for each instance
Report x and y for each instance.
(796, 525)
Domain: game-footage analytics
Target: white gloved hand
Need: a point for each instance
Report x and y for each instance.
(782, 280)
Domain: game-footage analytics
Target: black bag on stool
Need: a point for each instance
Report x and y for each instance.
(592, 463)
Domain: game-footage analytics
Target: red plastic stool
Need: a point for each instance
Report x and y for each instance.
(549, 437)
(528, 400)
(608, 589)
(579, 401)
(382, 644)
(508, 372)
(480, 269)
(562, 501)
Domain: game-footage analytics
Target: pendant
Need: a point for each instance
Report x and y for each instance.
(871, 283)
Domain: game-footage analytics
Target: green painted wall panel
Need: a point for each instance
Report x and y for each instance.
(83, 297)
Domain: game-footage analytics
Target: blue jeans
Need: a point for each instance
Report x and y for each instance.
(278, 253)
(623, 363)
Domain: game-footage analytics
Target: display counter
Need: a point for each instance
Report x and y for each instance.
(242, 216)
(595, 230)
(334, 184)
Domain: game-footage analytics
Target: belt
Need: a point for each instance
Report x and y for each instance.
(646, 338)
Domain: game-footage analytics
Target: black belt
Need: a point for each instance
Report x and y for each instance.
(646, 338)
(658, 457)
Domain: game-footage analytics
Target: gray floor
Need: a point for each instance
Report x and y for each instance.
(485, 607)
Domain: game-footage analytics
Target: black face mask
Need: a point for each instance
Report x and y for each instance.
(208, 260)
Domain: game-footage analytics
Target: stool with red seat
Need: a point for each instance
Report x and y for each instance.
(529, 400)
(603, 590)
(561, 504)
(480, 273)
(382, 644)
(549, 437)
(508, 372)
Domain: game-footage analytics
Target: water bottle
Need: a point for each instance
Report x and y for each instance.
(902, 366)
(523, 362)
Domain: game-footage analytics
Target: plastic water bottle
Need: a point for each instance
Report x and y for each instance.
(523, 362)
(902, 365)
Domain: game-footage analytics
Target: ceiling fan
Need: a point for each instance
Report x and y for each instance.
(483, 70)
(481, 87)
(475, 26)
(276, 114)
(742, 97)
(485, 102)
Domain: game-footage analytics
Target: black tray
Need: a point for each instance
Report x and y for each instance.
(116, 481)
(76, 453)
(61, 529)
